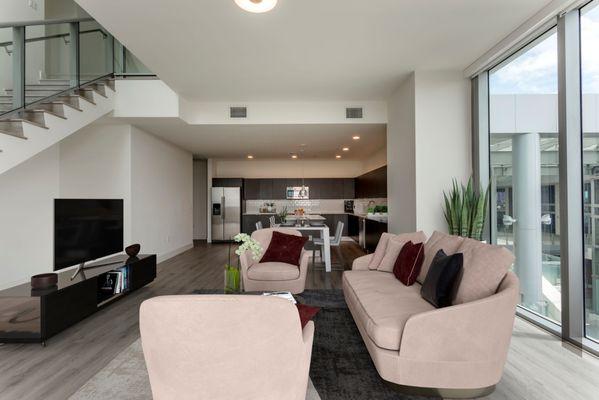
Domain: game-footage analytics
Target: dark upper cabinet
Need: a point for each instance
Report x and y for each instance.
(265, 188)
(279, 189)
(372, 184)
(333, 189)
(349, 188)
(251, 189)
(227, 182)
(315, 187)
(291, 182)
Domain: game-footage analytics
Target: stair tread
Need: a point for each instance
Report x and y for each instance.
(13, 120)
(43, 110)
(14, 134)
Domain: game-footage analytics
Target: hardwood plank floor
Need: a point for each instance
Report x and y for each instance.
(539, 365)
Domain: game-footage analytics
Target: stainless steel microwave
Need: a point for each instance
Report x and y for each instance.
(298, 193)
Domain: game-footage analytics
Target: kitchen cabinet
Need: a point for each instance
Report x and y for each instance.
(265, 188)
(333, 219)
(349, 188)
(372, 184)
(279, 189)
(227, 182)
(353, 227)
(320, 188)
(374, 230)
(251, 189)
(248, 222)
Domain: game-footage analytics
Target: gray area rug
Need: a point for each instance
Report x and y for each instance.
(341, 367)
(126, 378)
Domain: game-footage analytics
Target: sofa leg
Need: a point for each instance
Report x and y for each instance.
(443, 393)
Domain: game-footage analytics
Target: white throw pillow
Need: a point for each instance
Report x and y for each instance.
(379, 252)
(394, 247)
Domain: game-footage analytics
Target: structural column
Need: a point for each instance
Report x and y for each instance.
(527, 212)
(18, 67)
(74, 53)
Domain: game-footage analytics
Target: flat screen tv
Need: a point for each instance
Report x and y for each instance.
(86, 229)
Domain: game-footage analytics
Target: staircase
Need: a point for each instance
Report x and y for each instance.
(58, 113)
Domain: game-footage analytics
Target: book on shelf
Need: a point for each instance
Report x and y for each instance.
(116, 281)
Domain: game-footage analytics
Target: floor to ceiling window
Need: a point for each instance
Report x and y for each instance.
(589, 45)
(523, 111)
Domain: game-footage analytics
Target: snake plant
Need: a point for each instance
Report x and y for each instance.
(466, 210)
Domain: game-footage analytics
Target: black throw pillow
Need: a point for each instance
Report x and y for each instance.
(442, 279)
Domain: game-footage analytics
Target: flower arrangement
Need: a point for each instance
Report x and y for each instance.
(232, 275)
(247, 243)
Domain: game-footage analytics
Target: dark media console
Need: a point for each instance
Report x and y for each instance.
(28, 315)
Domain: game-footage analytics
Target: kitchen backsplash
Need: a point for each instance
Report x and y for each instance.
(309, 206)
(361, 205)
(312, 206)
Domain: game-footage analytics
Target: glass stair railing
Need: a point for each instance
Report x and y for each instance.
(43, 63)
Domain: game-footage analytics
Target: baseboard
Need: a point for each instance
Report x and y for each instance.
(170, 254)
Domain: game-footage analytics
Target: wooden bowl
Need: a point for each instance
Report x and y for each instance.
(44, 281)
(133, 250)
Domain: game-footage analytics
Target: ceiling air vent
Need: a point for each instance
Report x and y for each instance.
(353, 112)
(238, 112)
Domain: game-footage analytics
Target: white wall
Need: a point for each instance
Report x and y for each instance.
(377, 160)
(401, 158)
(153, 178)
(161, 195)
(443, 135)
(200, 196)
(27, 217)
(286, 168)
(95, 163)
(428, 144)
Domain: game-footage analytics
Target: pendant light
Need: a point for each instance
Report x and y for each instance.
(303, 191)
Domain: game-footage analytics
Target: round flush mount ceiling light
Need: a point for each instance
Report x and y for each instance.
(345, 149)
(338, 156)
(256, 6)
(356, 137)
(250, 157)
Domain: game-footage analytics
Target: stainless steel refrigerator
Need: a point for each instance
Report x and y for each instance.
(226, 212)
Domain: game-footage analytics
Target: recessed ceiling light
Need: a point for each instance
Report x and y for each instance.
(256, 6)
(294, 156)
(356, 137)
(338, 156)
(251, 157)
(345, 149)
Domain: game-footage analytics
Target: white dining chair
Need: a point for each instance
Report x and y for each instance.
(258, 225)
(335, 241)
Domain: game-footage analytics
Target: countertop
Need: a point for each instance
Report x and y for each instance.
(377, 218)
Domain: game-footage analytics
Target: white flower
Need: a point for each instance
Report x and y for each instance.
(247, 243)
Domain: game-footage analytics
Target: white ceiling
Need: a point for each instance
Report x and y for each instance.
(211, 50)
(322, 141)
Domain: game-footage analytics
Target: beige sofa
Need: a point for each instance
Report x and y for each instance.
(273, 276)
(218, 347)
(457, 351)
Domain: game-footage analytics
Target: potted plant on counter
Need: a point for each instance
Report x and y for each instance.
(232, 272)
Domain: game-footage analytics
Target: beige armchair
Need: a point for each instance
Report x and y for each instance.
(221, 347)
(273, 276)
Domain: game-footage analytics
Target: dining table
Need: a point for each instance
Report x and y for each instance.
(310, 223)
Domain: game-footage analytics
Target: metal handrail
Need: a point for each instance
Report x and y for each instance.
(56, 36)
(44, 22)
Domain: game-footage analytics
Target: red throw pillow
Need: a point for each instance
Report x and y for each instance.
(306, 313)
(284, 248)
(409, 262)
